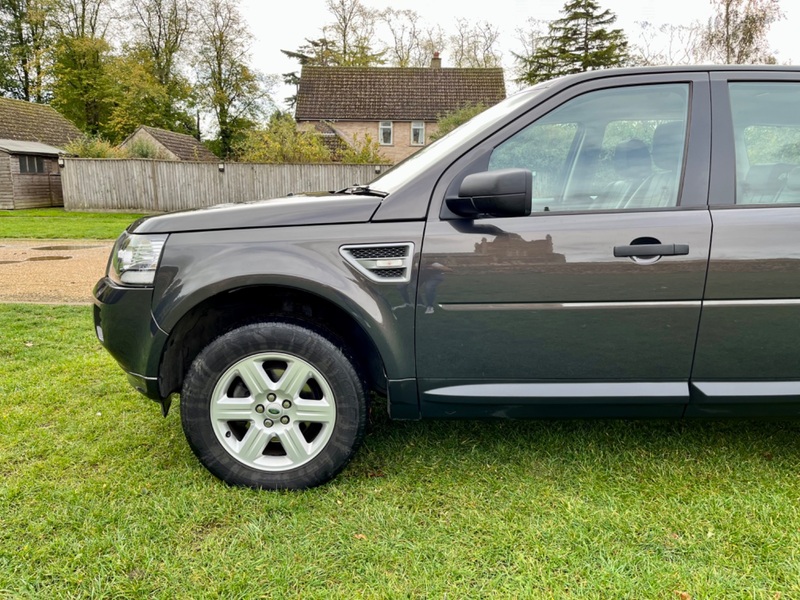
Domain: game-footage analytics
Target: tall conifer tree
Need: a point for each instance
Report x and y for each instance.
(583, 39)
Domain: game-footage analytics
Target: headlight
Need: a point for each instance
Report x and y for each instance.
(135, 257)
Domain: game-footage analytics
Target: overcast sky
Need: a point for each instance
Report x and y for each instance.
(287, 27)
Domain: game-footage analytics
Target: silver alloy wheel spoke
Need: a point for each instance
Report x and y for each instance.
(294, 379)
(314, 411)
(233, 409)
(258, 430)
(255, 378)
(254, 442)
(296, 447)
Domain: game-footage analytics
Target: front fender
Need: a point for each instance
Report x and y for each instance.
(198, 266)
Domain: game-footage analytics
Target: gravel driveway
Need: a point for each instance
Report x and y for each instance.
(51, 271)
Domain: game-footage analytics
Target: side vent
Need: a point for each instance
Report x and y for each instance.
(384, 263)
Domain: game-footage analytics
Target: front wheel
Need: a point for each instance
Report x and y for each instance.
(273, 405)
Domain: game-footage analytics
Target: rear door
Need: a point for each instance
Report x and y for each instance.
(593, 299)
(748, 351)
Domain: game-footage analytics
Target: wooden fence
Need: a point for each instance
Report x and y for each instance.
(163, 186)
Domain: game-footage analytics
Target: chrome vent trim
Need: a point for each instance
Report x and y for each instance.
(382, 263)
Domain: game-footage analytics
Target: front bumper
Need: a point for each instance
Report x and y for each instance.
(125, 326)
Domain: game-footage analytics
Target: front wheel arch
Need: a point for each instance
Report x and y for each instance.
(231, 309)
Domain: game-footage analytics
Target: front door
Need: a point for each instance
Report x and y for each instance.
(593, 299)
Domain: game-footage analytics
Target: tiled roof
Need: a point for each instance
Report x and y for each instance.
(398, 94)
(29, 122)
(184, 146)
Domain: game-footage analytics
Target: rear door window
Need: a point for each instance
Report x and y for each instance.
(766, 127)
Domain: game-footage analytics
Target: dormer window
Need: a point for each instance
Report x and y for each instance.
(385, 133)
(417, 133)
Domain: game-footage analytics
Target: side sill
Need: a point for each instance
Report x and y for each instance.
(620, 393)
(745, 392)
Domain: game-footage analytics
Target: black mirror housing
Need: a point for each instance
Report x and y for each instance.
(502, 193)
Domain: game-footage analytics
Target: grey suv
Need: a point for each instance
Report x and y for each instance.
(619, 243)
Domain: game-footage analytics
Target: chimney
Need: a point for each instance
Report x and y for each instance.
(436, 62)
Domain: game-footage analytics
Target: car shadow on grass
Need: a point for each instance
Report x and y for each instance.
(616, 447)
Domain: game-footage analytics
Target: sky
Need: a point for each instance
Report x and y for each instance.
(286, 27)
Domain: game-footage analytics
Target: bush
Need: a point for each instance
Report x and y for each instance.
(94, 147)
(364, 151)
(451, 120)
(141, 148)
(282, 142)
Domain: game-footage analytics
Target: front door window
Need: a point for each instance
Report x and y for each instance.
(617, 149)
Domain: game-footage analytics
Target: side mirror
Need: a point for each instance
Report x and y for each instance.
(502, 193)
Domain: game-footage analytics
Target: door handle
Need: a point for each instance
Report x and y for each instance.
(643, 250)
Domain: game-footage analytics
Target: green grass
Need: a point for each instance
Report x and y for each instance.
(100, 497)
(56, 223)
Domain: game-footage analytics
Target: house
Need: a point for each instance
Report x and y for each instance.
(171, 145)
(31, 138)
(398, 107)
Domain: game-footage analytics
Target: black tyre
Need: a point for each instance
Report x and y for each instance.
(273, 405)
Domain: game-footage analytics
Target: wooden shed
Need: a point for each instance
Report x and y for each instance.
(29, 175)
(31, 138)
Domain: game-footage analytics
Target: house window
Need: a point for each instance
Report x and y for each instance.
(385, 133)
(31, 164)
(417, 133)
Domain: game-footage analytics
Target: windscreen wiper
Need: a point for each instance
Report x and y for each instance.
(363, 190)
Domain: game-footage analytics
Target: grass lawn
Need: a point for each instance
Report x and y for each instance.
(101, 497)
(56, 223)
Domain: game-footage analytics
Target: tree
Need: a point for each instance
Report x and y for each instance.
(451, 120)
(533, 38)
(160, 94)
(84, 18)
(403, 25)
(737, 33)
(433, 40)
(230, 88)
(579, 41)
(320, 52)
(26, 34)
(282, 142)
(412, 44)
(138, 99)
(346, 42)
(162, 28)
(475, 46)
(668, 44)
(82, 86)
(352, 32)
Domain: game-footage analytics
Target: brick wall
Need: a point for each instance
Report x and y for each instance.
(400, 149)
